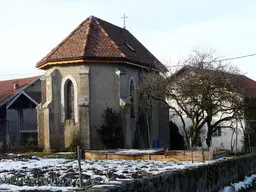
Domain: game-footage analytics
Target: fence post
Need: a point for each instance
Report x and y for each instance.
(79, 165)
(203, 158)
(211, 156)
(166, 152)
(191, 150)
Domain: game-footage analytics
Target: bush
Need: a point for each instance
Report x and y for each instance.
(23, 149)
(111, 131)
(245, 140)
(75, 142)
(176, 139)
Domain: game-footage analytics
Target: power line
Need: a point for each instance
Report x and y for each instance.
(239, 57)
(219, 60)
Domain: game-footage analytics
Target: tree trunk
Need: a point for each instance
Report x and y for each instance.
(195, 137)
(209, 127)
(232, 142)
(209, 136)
(209, 133)
(148, 130)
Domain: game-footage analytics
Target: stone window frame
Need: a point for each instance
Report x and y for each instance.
(63, 101)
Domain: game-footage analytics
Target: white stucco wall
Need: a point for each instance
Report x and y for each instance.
(217, 141)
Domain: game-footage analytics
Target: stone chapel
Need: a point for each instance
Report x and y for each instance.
(97, 65)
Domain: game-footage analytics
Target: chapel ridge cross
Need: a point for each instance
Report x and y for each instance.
(124, 18)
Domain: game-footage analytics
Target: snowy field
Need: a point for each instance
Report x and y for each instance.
(63, 175)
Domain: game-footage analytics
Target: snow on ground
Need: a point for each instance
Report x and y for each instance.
(65, 153)
(137, 151)
(28, 164)
(127, 151)
(240, 185)
(58, 172)
(52, 173)
(6, 187)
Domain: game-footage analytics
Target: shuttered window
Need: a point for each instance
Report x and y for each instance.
(217, 132)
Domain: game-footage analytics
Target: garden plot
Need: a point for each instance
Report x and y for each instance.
(58, 172)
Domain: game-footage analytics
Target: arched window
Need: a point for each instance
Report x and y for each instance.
(69, 100)
(132, 97)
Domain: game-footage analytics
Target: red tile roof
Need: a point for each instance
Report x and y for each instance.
(7, 89)
(246, 86)
(98, 39)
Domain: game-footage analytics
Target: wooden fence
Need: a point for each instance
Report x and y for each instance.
(173, 155)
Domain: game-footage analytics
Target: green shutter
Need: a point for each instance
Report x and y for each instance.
(219, 131)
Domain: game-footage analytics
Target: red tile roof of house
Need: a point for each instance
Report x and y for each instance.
(7, 87)
(246, 86)
(95, 39)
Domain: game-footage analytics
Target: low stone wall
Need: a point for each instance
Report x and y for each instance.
(206, 178)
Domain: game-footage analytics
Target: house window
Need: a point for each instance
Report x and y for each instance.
(217, 132)
(132, 96)
(69, 100)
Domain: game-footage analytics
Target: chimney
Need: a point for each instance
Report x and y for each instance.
(16, 85)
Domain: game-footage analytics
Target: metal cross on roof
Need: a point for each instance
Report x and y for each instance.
(124, 18)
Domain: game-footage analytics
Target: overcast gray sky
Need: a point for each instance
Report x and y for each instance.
(170, 29)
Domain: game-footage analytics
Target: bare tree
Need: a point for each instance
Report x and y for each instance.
(145, 111)
(234, 131)
(205, 90)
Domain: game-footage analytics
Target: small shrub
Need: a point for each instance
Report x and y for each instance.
(23, 149)
(76, 141)
(176, 139)
(111, 131)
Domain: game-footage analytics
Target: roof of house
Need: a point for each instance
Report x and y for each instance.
(35, 95)
(246, 85)
(7, 87)
(96, 39)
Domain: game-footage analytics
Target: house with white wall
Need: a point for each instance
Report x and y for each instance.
(229, 135)
(225, 136)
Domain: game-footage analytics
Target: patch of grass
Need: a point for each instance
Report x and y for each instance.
(239, 154)
(52, 155)
(23, 149)
(43, 154)
(39, 154)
